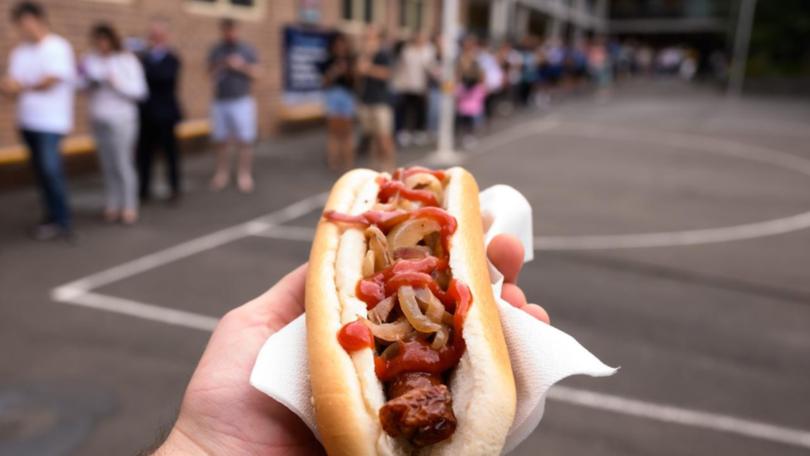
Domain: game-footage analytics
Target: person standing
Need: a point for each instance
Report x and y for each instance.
(375, 114)
(160, 111)
(41, 73)
(471, 94)
(114, 80)
(415, 62)
(338, 78)
(232, 64)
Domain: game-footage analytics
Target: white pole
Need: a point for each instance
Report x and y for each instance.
(446, 153)
(745, 21)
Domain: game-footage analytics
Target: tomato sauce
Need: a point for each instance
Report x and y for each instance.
(391, 188)
(402, 174)
(355, 336)
(418, 356)
(414, 355)
(385, 220)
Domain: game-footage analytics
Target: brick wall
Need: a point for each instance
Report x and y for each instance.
(193, 34)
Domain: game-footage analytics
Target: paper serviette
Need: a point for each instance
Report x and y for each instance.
(541, 355)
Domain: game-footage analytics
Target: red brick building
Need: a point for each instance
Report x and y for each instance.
(195, 29)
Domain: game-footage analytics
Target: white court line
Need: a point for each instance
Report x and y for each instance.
(682, 416)
(617, 241)
(145, 311)
(78, 293)
(675, 238)
(695, 142)
(288, 233)
(69, 291)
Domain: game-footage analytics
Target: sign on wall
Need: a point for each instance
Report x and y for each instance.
(304, 51)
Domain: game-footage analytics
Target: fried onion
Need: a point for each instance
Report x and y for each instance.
(409, 306)
(390, 332)
(410, 232)
(379, 244)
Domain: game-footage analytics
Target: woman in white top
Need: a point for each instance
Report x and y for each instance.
(114, 79)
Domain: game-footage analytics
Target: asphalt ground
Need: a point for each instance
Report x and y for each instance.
(672, 240)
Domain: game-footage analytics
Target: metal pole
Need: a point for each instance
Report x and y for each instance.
(745, 21)
(446, 153)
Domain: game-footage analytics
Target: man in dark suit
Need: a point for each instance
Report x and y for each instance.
(160, 112)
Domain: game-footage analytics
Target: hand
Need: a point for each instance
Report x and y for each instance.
(363, 65)
(222, 414)
(10, 86)
(235, 62)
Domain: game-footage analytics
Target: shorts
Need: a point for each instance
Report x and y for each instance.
(234, 119)
(339, 102)
(376, 119)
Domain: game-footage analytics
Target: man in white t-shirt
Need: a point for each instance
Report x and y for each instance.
(41, 73)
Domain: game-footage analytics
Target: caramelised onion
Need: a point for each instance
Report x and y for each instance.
(379, 245)
(409, 306)
(408, 205)
(411, 231)
(427, 181)
(390, 351)
(441, 338)
(434, 309)
(368, 264)
(391, 205)
(381, 311)
(390, 332)
(416, 252)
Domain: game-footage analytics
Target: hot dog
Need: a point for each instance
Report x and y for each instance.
(406, 350)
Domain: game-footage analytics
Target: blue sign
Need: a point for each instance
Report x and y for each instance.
(305, 51)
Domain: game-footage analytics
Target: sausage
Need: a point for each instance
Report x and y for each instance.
(411, 380)
(420, 409)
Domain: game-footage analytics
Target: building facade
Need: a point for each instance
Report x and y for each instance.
(194, 26)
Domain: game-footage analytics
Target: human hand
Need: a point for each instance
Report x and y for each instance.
(235, 62)
(10, 86)
(363, 65)
(222, 414)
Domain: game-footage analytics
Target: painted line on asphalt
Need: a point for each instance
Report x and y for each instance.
(145, 311)
(288, 233)
(700, 143)
(616, 241)
(695, 142)
(583, 398)
(67, 291)
(681, 416)
(675, 238)
(78, 293)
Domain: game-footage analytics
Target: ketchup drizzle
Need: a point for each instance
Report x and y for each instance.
(413, 355)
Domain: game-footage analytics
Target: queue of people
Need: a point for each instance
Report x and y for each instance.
(393, 87)
(133, 112)
(390, 87)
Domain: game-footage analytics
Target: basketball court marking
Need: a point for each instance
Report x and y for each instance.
(80, 292)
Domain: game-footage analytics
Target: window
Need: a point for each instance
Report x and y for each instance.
(360, 11)
(411, 13)
(239, 9)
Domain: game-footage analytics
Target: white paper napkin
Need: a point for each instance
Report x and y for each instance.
(541, 355)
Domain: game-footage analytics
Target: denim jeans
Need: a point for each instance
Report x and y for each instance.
(46, 161)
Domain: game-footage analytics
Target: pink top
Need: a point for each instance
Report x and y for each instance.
(471, 101)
